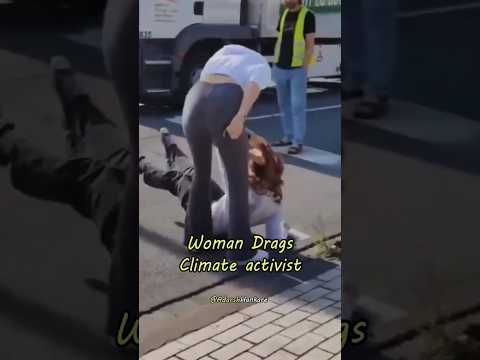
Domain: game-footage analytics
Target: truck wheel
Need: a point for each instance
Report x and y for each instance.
(191, 73)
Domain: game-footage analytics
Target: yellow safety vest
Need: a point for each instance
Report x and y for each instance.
(298, 39)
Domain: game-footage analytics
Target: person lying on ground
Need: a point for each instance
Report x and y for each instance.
(265, 170)
(90, 176)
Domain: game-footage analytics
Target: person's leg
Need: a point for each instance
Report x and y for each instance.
(195, 127)
(235, 158)
(282, 82)
(90, 187)
(38, 174)
(173, 173)
(89, 131)
(159, 177)
(353, 48)
(380, 43)
(225, 102)
(299, 105)
(380, 31)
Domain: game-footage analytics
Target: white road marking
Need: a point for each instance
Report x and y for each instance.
(293, 278)
(322, 108)
(175, 120)
(178, 119)
(439, 10)
(309, 154)
(314, 155)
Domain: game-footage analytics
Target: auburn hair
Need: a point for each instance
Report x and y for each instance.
(266, 178)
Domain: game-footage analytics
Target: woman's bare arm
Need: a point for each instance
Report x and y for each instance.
(251, 93)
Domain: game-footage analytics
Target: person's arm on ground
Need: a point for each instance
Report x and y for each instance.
(250, 95)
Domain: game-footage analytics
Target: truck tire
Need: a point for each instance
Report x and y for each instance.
(191, 73)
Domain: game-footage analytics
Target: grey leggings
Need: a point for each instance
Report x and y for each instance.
(208, 110)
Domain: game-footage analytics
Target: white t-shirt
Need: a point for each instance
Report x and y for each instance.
(240, 63)
(263, 210)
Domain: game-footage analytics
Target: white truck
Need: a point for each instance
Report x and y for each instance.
(178, 36)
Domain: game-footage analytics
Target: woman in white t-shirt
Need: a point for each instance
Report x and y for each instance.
(265, 178)
(214, 113)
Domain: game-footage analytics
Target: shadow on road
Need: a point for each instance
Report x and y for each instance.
(277, 282)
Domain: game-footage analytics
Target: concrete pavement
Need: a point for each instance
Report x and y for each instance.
(178, 301)
(302, 322)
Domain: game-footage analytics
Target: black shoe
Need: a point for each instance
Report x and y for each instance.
(281, 142)
(169, 146)
(295, 149)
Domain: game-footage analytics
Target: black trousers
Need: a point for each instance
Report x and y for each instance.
(100, 183)
(208, 110)
(91, 181)
(176, 178)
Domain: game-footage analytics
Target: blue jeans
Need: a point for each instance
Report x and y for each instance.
(368, 45)
(292, 100)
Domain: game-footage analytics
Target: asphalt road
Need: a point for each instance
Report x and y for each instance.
(179, 301)
(160, 244)
(428, 154)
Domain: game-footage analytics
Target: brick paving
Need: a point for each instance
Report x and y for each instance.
(301, 323)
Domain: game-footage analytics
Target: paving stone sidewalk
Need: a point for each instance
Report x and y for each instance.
(302, 323)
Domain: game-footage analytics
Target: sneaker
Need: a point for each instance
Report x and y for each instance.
(295, 149)
(169, 145)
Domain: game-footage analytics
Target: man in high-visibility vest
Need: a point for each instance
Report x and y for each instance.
(293, 55)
